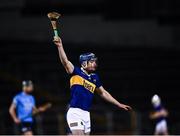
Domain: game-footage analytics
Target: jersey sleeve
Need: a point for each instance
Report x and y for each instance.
(98, 82)
(15, 100)
(76, 71)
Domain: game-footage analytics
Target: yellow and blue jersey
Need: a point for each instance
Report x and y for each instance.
(82, 88)
(24, 106)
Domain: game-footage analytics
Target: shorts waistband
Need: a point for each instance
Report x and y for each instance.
(78, 109)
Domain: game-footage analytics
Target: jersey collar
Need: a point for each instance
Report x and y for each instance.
(85, 72)
(23, 93)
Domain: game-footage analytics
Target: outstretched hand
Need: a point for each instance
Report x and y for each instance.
(57, 41)
(45, 107)
(42, 108)
(125, 107)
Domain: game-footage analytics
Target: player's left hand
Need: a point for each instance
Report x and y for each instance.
(41, 109)
(57, 41)
(45, 107)
(125, 107)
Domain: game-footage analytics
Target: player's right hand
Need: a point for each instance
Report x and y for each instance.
(125, 107)
(17, 121)
(57, 41)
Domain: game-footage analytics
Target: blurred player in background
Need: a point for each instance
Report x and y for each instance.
(159, 115)
(83, 83)
(23, 108)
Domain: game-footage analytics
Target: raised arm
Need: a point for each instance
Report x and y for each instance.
(12, 111)
(62, 55)
(107, 96)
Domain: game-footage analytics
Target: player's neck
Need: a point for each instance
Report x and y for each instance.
(24, 92)
(85, 71)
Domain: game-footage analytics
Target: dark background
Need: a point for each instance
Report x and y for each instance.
(137, 44)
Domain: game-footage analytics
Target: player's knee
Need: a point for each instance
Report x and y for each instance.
(88, 133)
(77, 132)
(28, 133)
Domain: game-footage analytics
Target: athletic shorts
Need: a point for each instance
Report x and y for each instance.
(25, 126)
(79, 119)
(161, 127)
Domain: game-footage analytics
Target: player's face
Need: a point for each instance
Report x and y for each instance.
(29, 89)
(91, 66)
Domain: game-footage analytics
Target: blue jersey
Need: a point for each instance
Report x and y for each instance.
(82, 88)
(24, 106)
(158, 109)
